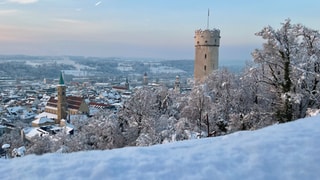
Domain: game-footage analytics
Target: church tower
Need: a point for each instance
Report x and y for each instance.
(62, 100)
(127, 84)
(145, 79)
(207, 44)
(177, 88)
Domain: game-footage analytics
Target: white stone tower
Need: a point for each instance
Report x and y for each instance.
(207, 44)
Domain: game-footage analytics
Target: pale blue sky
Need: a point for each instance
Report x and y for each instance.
(142, 28)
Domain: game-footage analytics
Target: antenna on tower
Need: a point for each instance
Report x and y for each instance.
(208, 19)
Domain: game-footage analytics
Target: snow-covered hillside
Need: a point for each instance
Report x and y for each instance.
(285, 151)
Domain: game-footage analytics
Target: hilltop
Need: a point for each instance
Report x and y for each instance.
(282, 151)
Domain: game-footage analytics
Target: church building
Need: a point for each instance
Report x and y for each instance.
(64, 105)
(60, 107)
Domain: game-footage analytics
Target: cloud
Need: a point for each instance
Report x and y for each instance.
(98, 3)
(64, 20)
(23, 1)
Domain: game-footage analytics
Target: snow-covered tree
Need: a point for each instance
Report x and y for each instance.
(222, 87)
(99, 132)
(13, 138)
(307, 70)
(288, 65)
(199, 104)
(40, 145)
(255, 104)
(148, 117)
(276, 58)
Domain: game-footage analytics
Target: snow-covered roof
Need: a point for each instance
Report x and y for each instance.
(30, 132)
(5, 146)
(68, 128)
(43, 120)
(46, 114)
(15, 109)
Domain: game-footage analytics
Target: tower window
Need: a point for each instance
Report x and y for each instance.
(206, 41)
(205, 68)
(197, 42)
(205, 56)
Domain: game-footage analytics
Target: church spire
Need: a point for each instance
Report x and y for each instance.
(61, 80)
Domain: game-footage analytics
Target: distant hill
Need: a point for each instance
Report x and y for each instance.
(40, 67)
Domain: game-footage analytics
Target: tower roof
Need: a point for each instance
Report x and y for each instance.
(61, 80)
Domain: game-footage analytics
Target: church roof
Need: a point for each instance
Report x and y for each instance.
(73, 102)
(119, 87)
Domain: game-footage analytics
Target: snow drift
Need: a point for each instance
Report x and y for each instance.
(284, 151)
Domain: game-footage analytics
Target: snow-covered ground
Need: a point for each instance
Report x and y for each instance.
(285, 151)
(165, 69)
(65, 60)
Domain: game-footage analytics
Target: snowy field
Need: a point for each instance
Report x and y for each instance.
(285, 151)
(166, 69)
(65, 60)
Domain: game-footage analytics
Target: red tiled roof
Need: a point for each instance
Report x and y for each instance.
(73, 102)
(100, 105)
(120, 87)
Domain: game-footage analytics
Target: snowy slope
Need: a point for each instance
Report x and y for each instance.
(285, 151)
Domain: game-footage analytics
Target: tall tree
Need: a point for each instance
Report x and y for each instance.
(307, 69)
(276, 58)
(140, 116)
(289, 66)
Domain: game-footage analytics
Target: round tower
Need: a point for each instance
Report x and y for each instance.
(207, 44)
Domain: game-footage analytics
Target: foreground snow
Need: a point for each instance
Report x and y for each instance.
(285, 151)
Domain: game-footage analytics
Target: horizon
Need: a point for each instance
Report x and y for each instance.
(164, 30)
(125, 58)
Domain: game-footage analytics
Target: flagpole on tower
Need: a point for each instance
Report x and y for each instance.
(208, 19)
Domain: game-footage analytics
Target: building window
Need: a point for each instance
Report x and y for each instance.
(197, 42)
(205, 56)
(205, 68)
(206, 41)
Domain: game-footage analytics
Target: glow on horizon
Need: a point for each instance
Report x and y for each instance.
(142, 28)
